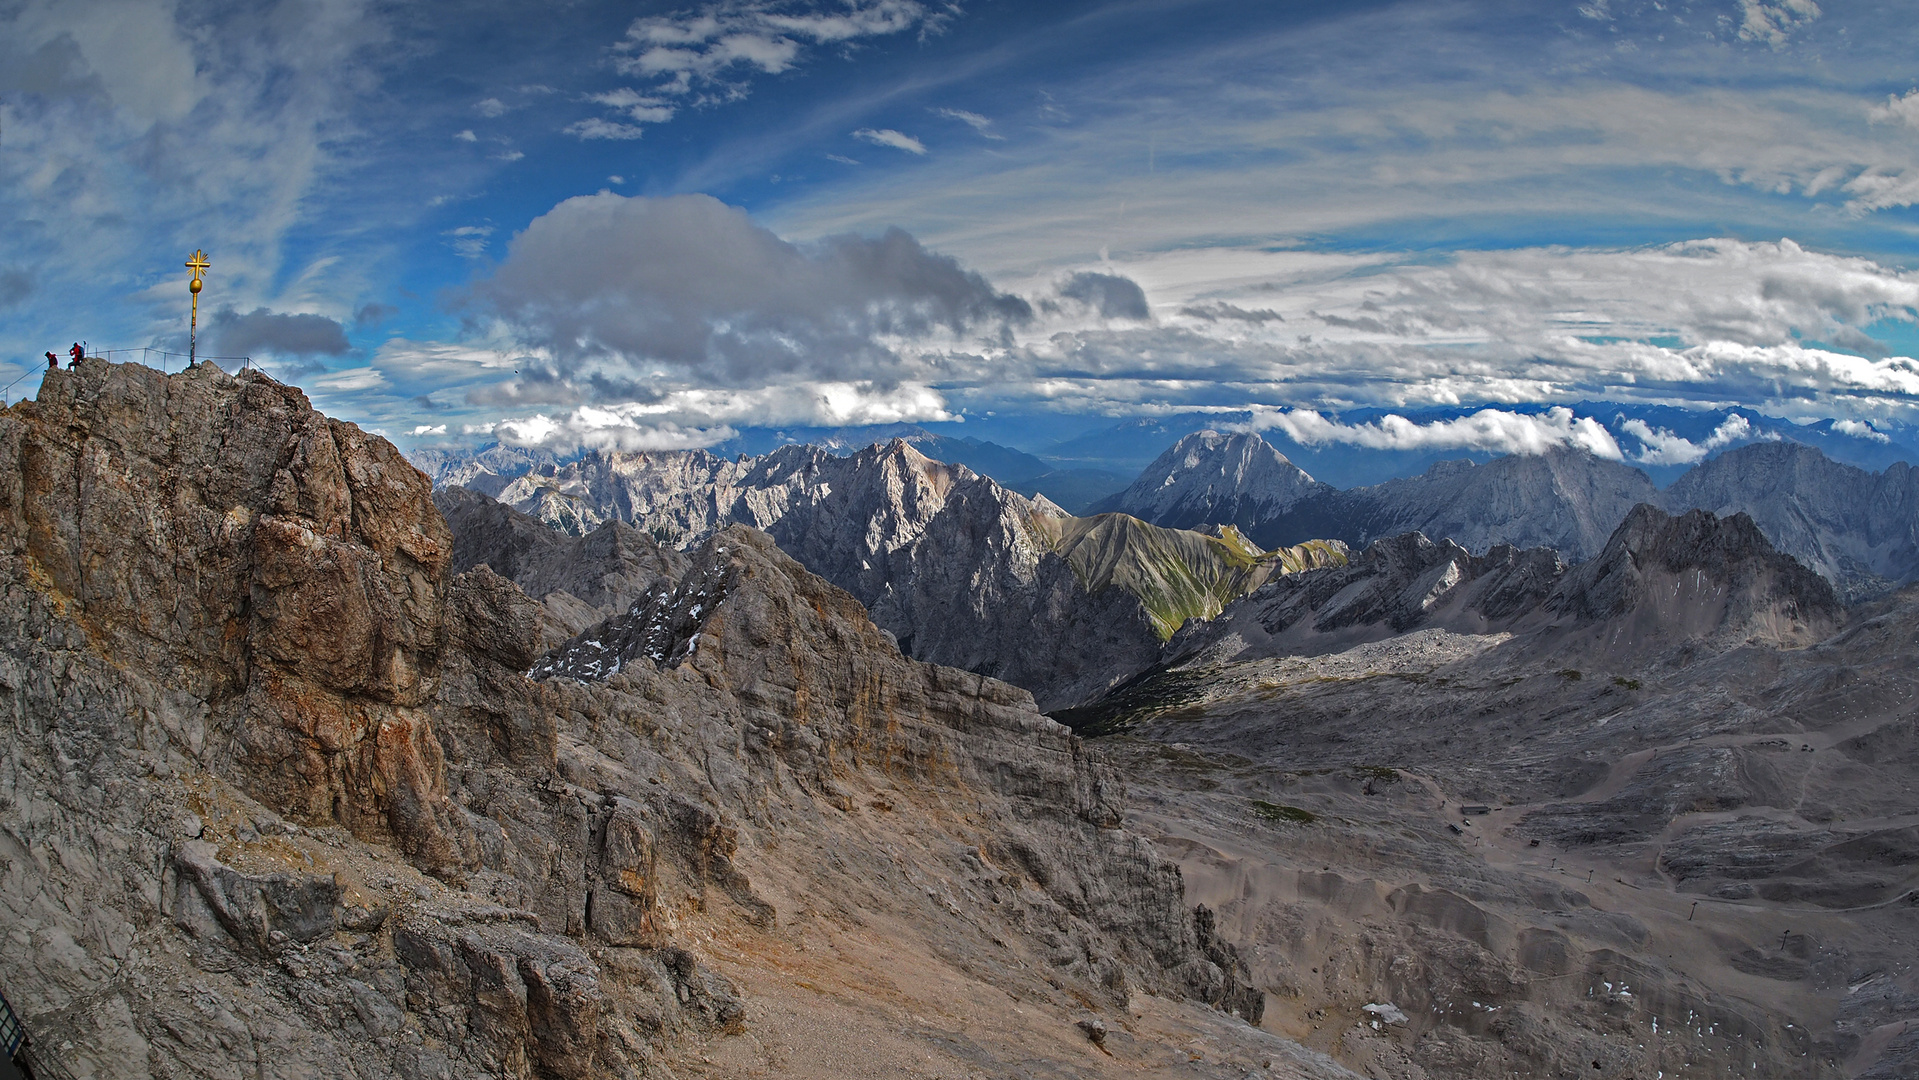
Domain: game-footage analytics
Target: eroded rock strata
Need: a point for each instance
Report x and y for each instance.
(280, 800)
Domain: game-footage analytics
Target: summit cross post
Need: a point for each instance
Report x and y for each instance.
(196, 262)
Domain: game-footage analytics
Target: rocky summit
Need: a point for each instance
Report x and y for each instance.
(281, 798)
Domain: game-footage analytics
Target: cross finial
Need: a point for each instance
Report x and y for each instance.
(197, 262)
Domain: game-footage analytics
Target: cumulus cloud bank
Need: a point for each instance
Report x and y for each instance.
(1663, 447)
(681, 315)
(641, 288)
(684, 419)
(1491, 430)
(263, 331)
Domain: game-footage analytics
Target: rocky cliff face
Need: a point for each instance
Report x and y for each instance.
(1564, 499)
(1209, 478)
(1696, 577)
(960, 570)
(279, 798)
(1567, 500)
(1858, 529)
(580, 580)
(1660, 582)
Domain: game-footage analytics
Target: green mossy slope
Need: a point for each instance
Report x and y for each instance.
(1177, 574)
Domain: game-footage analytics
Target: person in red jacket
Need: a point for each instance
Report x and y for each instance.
(52, 361)
(76, 352)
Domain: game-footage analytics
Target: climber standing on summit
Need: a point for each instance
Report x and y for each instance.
(76, 352)
(53, 362)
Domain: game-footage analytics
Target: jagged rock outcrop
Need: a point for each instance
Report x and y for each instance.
(1210, 478)
(243, 707)
(580, 580)
(1858, 529)
(280, 568)
(960, 570)
(1659, 583)
(1564, 499)
(1696, 577)
(1392, 587)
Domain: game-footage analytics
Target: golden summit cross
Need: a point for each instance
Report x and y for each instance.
(196, 262)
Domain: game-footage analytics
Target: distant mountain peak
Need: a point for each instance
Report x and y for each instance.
(1216, 478)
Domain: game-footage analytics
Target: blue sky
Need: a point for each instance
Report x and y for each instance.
(650, 225)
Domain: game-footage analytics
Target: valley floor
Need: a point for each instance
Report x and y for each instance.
(1695, 870)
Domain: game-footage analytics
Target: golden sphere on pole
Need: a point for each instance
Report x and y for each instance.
(194, 285)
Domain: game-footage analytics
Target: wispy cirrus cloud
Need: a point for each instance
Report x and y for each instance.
(594, 127)
(889, 137)
(726, 44)
(980, 124)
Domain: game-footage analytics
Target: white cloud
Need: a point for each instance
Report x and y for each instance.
(125, 122)
(842, 159)
(428, 429)
(596, 128)
(1663, 447)
(1898, 109)
(641, 108)
(491, 108)
(894, 139)
(1860, 430)
(421, 367)
(727, 43)
(466, 136)
(973, 120)
(1772, 21)
(470, 240)
(701, 417)
(1490, 430)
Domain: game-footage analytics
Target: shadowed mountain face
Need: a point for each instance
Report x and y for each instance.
(280, 799)
(1661, 583)
(959, 569)
(1858, 529)
(1649, 812)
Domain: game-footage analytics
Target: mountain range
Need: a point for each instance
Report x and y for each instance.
(960, 570)
(1080, 460)
(1859, 529)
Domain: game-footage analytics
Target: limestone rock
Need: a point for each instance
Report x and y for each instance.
(244, 704)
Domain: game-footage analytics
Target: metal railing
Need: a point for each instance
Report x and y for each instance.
(13, 1034)
(146, 356)
(29, 1058)
(151, 357)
